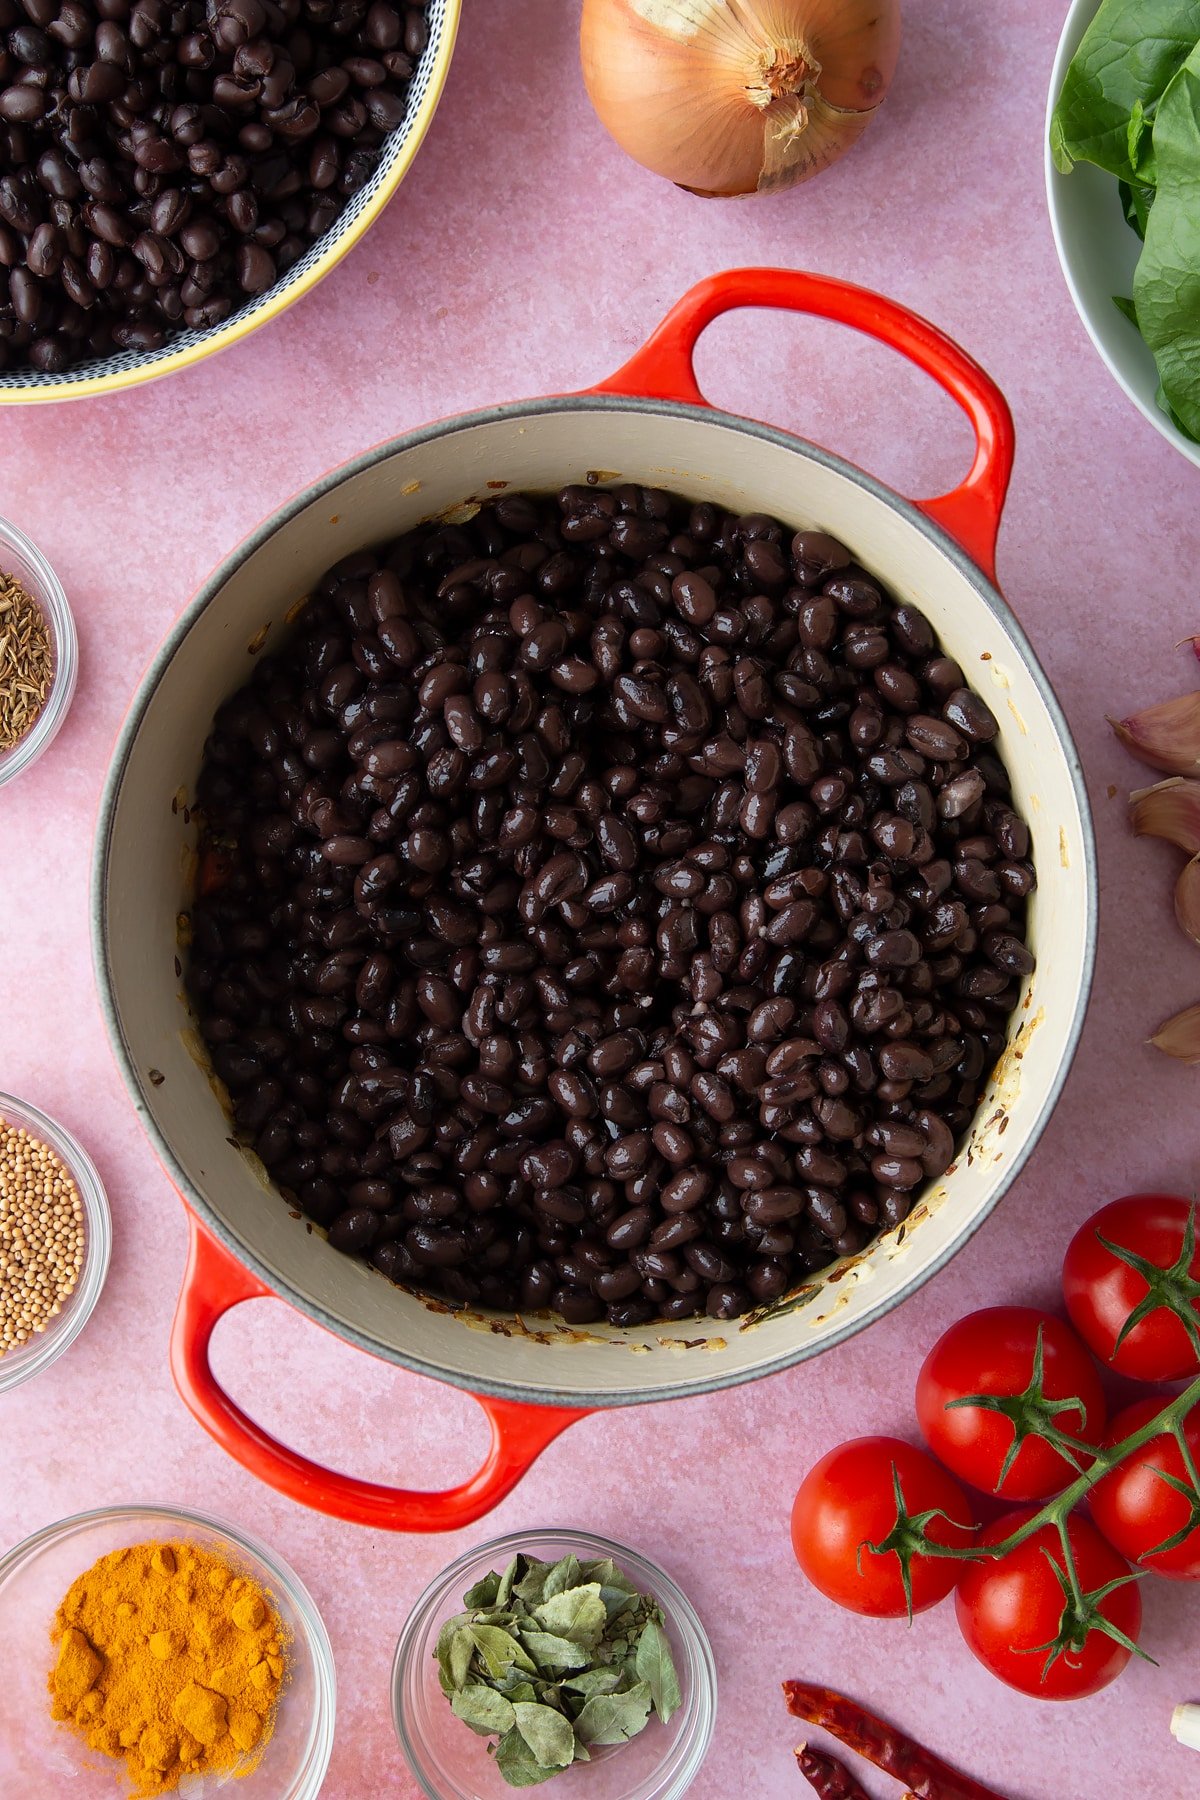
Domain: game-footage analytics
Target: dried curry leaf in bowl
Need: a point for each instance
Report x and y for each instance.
(553, 1660)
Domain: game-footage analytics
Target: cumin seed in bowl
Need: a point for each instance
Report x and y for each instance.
(38, 653)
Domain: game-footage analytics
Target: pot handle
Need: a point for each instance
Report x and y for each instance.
(663, 369)
(213, 1282)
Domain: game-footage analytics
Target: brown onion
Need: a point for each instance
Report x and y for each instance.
(738, 96)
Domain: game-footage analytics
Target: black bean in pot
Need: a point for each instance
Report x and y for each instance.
(622, 906)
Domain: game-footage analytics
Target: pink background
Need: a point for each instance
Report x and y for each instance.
(525, 254)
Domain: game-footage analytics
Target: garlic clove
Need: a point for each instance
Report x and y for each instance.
(1185, 1725)
(1180, 1036)
(1166, 736)
(1170, 810)
(1187, 900)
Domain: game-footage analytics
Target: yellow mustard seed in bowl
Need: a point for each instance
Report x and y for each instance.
(42, 1236)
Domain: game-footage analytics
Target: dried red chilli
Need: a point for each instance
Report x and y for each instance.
(827, 1777)
(926, 1775)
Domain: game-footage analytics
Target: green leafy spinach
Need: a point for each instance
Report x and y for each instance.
(1130, 53)
(1136, 201)
(1130, 104)
(1166, 285)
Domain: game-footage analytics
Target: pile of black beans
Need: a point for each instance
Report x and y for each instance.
(161, 161)
(610, 905)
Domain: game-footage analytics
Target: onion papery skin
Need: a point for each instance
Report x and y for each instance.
(729, 97)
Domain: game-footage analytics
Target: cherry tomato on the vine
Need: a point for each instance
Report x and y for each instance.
(996, 1353)
(1015, 1612)
(1137, 1509)
(1154, 1260)
(848, 1500)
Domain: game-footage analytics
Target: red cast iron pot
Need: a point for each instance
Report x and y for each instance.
(648, 423)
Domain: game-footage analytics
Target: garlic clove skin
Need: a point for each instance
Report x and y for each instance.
(1187, 900)
(1166, 736)
(1180, 1036)
(729, 97)
(1170, 810)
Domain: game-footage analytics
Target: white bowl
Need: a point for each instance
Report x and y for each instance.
(1098, 251)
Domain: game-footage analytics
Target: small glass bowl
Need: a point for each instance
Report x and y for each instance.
(40, 1756)
(19, 1365)
(20, 558)
(451, 1763)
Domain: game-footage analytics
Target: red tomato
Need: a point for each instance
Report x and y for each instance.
(1136, 1509)
(1011, 1611)
(1102, 1291)
(848, 1500)
(993, 1352)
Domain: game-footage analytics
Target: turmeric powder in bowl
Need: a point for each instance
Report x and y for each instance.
(169, 1659)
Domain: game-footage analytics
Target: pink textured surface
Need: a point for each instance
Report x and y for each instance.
(525, 254)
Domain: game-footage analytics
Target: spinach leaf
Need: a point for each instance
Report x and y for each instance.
(1136, 201)
(1166, 284)
(1130, 53)
(1164, 405)
(1139, 139)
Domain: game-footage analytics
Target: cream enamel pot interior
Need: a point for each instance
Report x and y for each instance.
(649, 424)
